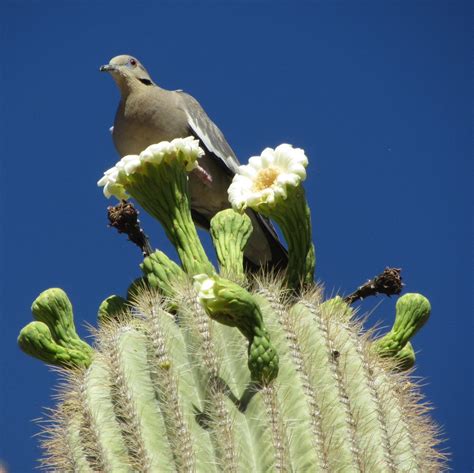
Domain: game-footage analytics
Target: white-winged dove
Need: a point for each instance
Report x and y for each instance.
(148, 114)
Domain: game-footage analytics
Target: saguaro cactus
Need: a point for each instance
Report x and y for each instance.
(200, 372)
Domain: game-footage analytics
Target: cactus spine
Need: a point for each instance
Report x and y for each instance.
(230, 375)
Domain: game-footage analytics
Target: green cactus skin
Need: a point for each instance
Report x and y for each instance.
(36, 340)
(338, 305)
(53, 337)
(405, 358)
(294, 218)
(171, 392)
(111, 308)
(169, 204)
(412, 312)
(162, 274)
(230, 232)
(172, 386)
(229, 304)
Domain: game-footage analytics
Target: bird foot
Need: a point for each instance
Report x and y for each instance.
(202, 175)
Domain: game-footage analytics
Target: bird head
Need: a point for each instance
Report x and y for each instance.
(127, 72)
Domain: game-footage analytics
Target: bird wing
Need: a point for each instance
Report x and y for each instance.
(203, 128)
(207, 132)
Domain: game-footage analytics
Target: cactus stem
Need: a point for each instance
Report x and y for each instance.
(128, 415)
(230, 232)
(336, 405)
(170, 205)
(294, 218)
(162, 273)
(78, 460)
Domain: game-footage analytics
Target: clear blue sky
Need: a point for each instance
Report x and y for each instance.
(378, 93)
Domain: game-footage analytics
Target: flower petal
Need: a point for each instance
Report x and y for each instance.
(266, 178)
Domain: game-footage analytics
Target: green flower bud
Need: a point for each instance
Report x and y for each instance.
(229, 304)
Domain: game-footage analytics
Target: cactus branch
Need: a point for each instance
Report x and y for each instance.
(162, 273)
(36, 340)
(163, 192)
(111, 308)
(412, 312)
(294, 218)
(229, 304)
(405, 358)
(230, 232)
(53, 337)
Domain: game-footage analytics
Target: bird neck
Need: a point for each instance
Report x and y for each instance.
(127, 85)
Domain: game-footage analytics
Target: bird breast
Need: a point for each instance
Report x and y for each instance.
(145, 119)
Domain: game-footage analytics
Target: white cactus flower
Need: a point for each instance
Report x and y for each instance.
(128, 164)
(266, 178)
(204, 286)
(111, 186)
(186, 150)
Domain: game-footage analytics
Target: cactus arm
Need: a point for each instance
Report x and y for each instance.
(405, 358)
(294, 218)
(53, 308)
(36, 340)
(412, 312)
(229, 304)
(111, 308)
(170, 205)
(162, 273)
(230, 232)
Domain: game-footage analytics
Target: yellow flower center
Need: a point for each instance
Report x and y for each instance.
(265, 178)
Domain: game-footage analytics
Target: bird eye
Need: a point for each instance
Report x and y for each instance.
(133, 62)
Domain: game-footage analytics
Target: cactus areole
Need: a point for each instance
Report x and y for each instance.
(206, 370)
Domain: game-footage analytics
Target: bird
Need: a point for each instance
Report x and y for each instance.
(148, 114)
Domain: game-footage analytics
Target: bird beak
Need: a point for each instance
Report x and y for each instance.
(107, 68)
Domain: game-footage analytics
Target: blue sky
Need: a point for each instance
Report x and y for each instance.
(378, 93)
